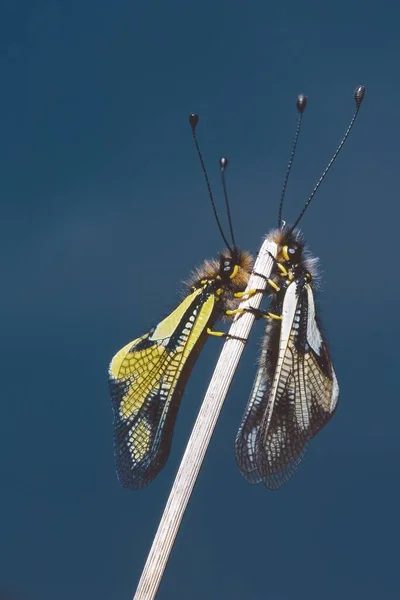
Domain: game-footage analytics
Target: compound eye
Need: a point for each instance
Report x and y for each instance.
(225, 267)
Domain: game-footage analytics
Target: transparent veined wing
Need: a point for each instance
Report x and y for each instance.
(303, 394)
(147, 379)
(245, 443)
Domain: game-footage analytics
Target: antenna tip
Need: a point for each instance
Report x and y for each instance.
(193, 120)
(359, 94)
(223, 163)
(301, 102)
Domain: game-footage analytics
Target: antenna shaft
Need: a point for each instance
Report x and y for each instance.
(193, 120)
(223, 163)
(358, 94)
(301, 104)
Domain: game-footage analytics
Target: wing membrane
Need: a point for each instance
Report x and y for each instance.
(304, 392)
(147, 379)
(245, 444)
(291, 399)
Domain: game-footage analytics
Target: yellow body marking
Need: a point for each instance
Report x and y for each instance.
(234, 272)
(285, 253)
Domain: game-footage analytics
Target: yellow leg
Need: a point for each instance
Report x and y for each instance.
(273, 284)
(230, 313)
(259, 314)
(282, 269)
(216, 333)
(268, 315)
(255, 311)
(225, 335)
(269, 281)
(249, 293)
(273, 316)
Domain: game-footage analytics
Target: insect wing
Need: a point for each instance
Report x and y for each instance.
(304, 392)
(147, 379)
(245, 443)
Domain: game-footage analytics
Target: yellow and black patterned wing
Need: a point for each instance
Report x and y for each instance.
(147, 379)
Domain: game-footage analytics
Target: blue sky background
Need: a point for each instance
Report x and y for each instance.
(104, 212)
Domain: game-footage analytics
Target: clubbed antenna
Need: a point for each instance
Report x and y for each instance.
(193, 120)
(301, 104)
(358, 95)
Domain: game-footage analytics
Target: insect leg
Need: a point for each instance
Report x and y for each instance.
(270, 281)
(258, 314)
(250, 293)
(225, 335)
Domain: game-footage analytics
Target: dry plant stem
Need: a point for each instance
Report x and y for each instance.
(202, 432)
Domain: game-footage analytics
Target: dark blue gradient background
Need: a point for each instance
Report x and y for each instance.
(104, 212)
